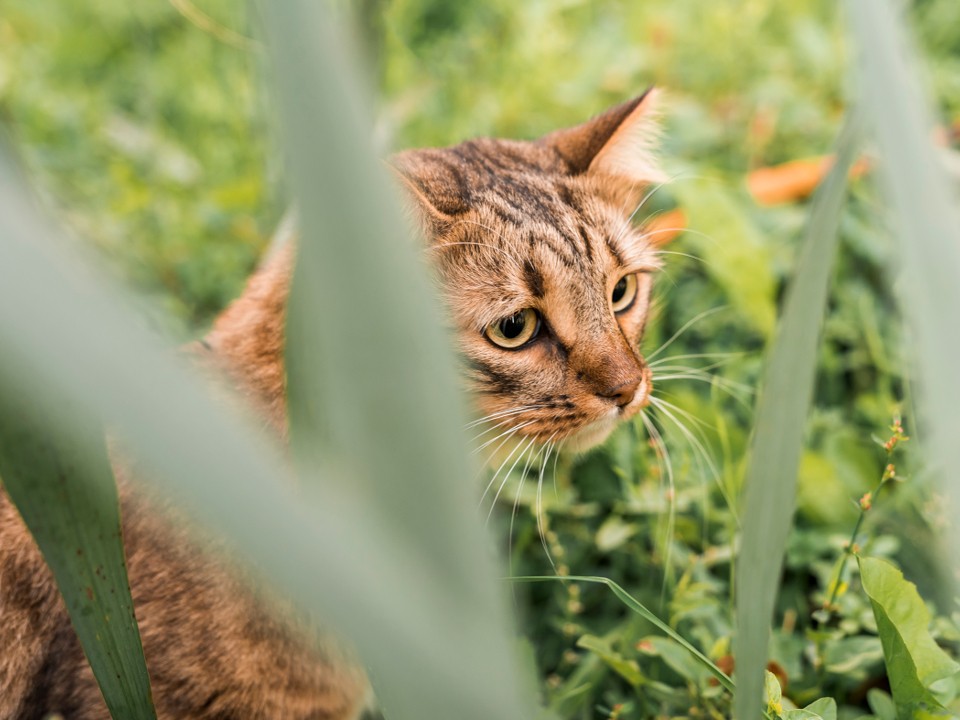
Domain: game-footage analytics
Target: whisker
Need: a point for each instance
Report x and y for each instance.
(671, 508)
(500, 414)
(701, 454)
(730, 387)
(696, 356)
(668, 409)
(511, 430)
(675, 252)
(513, 513)
(493, 479)
(538, 508)
(685, 413)
(493, 503)
(686, 326)
(690, 231)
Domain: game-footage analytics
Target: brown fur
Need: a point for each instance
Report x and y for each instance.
(510, 225)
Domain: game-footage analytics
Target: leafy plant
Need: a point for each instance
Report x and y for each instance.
(125, 117)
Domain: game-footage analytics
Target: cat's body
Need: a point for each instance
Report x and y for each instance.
(548, 285)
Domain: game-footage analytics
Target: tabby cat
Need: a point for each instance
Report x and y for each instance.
(549, 286)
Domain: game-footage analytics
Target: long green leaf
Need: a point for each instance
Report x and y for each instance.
(644, 612)
(927, 221)
(770, 485)
(371, 372)
(65, 492)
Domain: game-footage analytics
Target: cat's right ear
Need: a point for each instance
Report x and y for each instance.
(617, 144)
(428, 184)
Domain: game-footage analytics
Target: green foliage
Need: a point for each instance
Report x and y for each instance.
(65, 492)
(151, 136)
(914, 660)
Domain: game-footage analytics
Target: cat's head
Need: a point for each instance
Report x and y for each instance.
(545, 276)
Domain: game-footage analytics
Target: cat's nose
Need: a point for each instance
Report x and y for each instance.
(624, 393)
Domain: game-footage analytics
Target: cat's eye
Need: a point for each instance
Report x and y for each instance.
(624, 293)
(516, 330)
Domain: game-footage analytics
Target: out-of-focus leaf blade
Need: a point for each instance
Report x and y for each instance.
(771, 479)
(927, 222)
(914, 661)
(66, 494)
(370, 372)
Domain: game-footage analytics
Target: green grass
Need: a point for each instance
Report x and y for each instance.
(155, 141)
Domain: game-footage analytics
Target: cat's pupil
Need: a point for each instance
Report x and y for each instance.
(512, 326)
(619, 289)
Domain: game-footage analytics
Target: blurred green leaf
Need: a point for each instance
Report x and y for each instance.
(770, 486)
(732, 249)
(926, 219)
(372, 385)
(826, 708)
(65, 491)
(627, 669)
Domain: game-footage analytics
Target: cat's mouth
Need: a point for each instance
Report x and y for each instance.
(599, 430)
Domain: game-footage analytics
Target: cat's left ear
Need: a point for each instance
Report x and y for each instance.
(617, 144)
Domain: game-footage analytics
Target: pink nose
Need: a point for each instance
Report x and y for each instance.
(624, 393)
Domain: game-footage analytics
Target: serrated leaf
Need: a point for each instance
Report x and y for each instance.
(914, 660)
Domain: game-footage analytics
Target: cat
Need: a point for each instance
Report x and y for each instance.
(548, 284)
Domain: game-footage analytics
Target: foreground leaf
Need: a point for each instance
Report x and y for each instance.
(914, 660)
(771, 480)
(927, 223)
(65, 492)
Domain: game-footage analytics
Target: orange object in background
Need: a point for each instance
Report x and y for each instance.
(794, 180)
(663, 228)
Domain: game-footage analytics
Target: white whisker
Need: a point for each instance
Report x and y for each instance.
(511, 430)
(538, 508)
(686, 326)
(500, 414)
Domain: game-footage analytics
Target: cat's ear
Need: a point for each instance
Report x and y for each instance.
(618, 143)
(429, 190)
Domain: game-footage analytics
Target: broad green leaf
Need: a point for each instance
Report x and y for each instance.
(771, 479)
(853, 656)
(881, 704)
(914, 660)
(677, 658)
(627, 669)
(65, 492)
(927, 221)
(772, 694)
(826, 708)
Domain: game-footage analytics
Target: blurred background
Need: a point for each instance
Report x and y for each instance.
(147, 128)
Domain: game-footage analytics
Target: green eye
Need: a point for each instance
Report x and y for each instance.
(624, 293)
(516, 330)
